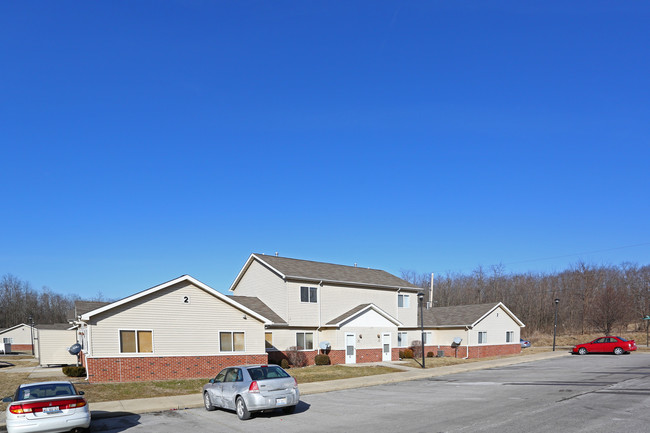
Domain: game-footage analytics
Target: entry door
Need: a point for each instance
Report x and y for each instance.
(386, 354)
(350, 350)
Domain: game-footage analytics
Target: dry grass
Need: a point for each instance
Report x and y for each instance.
(541, 340)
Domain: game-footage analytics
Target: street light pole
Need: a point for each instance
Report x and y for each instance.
(421, 299)
(646, 318)
(557, 301)
(31, 329)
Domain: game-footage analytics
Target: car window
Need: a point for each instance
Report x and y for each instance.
(231, 376)
(45, 391)
(267, 372)
(599, 340)
(221, 376)
(621, 338)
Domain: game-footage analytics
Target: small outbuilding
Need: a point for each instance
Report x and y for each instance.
(20, 337)
(52, 343)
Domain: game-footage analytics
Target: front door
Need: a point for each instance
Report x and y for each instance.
(350, 351)
(385, 348)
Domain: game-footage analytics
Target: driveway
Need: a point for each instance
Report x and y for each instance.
(596, 393)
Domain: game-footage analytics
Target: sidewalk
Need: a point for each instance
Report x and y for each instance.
(108, 409)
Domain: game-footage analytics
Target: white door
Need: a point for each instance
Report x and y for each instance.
(350, 352)
(386, 353)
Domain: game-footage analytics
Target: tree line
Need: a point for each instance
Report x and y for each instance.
(591, 298)
(19, 301)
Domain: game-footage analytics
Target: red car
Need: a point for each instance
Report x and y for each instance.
(615, 345)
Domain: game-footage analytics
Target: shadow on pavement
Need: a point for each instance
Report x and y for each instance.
(113, 422)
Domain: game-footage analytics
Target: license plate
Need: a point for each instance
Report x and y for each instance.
(280, 401)
(51, 409)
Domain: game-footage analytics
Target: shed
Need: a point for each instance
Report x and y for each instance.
(52, 343)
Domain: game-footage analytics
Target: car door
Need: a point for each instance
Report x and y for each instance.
(610, 344)
(598, 345)
(216, 388)
(230, 387)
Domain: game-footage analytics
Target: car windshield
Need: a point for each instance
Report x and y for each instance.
(45, 391)
(267, 372)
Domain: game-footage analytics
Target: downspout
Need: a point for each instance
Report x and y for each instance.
(320, 306)
(88, 350)
(467, 328)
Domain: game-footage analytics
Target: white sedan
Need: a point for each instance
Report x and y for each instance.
(47, 407)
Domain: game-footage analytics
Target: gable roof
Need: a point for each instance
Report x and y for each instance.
(2, 331)
(257, 305)
(462, 315)
(358, 311)
(305, 270)
(227, 299)
(82, 307)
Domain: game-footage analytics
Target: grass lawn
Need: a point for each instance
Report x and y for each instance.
(125, 391)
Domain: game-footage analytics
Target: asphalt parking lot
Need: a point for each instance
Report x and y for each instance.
(594, 393)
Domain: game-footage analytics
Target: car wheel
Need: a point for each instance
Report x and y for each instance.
(207, 403)
(582, 351)
(242, 410)
(618, 351)
(289, 409)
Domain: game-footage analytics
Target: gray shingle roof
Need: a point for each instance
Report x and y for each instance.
(82, 307)
(259, 307)
(460, 315)
(308, 270)
(55, 326)
(347, 314)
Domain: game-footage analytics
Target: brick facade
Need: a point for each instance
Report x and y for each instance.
(21, 348)
(336, 356)
(137, 369)
(475, 351)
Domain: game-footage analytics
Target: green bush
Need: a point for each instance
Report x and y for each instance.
(429, 354)
(284, 363)
(74, 371)
(407, 353)
(322, 359)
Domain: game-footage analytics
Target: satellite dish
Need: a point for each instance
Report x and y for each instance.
(324, 345)
(456, 342)
(74, 349)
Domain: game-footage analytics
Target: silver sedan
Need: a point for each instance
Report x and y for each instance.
(252, 388)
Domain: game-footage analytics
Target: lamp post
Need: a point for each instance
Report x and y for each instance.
(557, 301)
(646, 318)
(31, 329)
(421, 299)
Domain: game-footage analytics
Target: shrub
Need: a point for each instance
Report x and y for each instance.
(416, 348)
(401, 354)
(296, 357)
(74, 371)
(284, 364)
(322, 360)
(408, 353)
(429, 354)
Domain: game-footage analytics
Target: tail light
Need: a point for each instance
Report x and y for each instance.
(253, 387)
(37, 406)
(295, 382)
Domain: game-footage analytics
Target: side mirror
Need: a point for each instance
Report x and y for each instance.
(81, 393)
(7, 400)
(211, 380)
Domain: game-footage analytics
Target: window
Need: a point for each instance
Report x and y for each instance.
(305, 340)
(268, 341)
(510, 336)
(135, 341)
(428, 338)
(482, 337)
(402, 339)
(232, 342)
(9, 340)
(403, 301)
(308, 294)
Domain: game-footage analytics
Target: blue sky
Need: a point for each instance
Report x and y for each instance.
(143, 140)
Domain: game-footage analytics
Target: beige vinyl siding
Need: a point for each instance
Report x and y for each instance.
(337, 300)
(496, 324)
(53, 346)
(283, 339)
(261, 282)
(366, 338)
(444, 337)
(302, 313)
(179, 328)
(20, 335)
